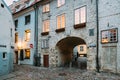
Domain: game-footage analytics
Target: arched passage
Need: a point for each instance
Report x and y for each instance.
(66, 46)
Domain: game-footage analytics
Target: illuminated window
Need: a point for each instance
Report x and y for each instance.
(46, 8)
(46, 25)
(60, 2)
(27, 53)
(80, 15)
(16, 37)
(61, 21)
(81, 48)
(109, 36)
(27, 35)
(27, 19)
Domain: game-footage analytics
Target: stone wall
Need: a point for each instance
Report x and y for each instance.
(109, 13)
(83, 33)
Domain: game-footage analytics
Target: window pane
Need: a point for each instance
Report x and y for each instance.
(44, 8)
(63, 2)
(77, 17)
(47, 8)
(16, 37)
(47, 25)
(58, 22)
(27, 53)
(63, 21)
(27, 35)
(59, 3)
(83, 14)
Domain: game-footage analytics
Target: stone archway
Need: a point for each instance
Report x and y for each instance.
(65, 47)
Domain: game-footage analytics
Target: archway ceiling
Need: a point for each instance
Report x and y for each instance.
(67, 44)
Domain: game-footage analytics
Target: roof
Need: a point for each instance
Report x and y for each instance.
(20, 5)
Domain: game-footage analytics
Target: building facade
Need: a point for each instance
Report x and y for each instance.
(24, 19)
(6, 39)
(71, 30)
(63, 25)
(109, 17)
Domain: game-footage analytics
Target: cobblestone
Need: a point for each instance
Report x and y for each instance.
(27, 72)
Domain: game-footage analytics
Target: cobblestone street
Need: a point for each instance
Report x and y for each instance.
(25, 72)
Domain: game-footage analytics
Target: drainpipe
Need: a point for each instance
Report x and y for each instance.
(36, 54)
(97, 23)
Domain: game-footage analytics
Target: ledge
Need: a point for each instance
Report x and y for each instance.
(60, 30)
(82, 25)
(44, 33)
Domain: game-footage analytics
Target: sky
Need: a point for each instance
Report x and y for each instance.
(8, 2)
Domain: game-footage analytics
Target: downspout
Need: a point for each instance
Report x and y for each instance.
(37, 61)
(97, 23)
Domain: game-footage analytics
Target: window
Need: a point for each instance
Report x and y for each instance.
(27, 35)
(46, 25)
(4, 55)
(91, 32)
(80, 15)
(61, 21)
(81, 48)
(46, 8)
(108, 36)
(16, 24)
(2, 5)
(27, 53)
(45, 43)
(11, 32)
(16, 37)
(60, 2)
(27, 19)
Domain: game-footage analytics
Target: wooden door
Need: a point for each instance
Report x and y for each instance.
(46, 60)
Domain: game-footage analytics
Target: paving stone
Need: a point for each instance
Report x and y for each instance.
(27, 72)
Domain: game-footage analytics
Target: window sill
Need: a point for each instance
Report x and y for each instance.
(4, 59)
(81, 25)
(60, 30)
(44, 33)
(45, 12)
(27, 58)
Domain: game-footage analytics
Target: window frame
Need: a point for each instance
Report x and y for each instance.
(44, 43)
(27, 19)
(16, 24)
(60, 3)
(107, 33)
(27, 35)
(61, 21)
(80, 15)
(27, 50)
(44, 28)
(4, 55)
(16, 38)
(44, 8)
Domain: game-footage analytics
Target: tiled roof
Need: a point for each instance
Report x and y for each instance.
(22, 4)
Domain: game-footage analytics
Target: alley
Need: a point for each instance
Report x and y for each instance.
(25, 72)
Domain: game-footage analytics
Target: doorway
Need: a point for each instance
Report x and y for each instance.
(46, 60)
(67, 57)
(16, 57)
